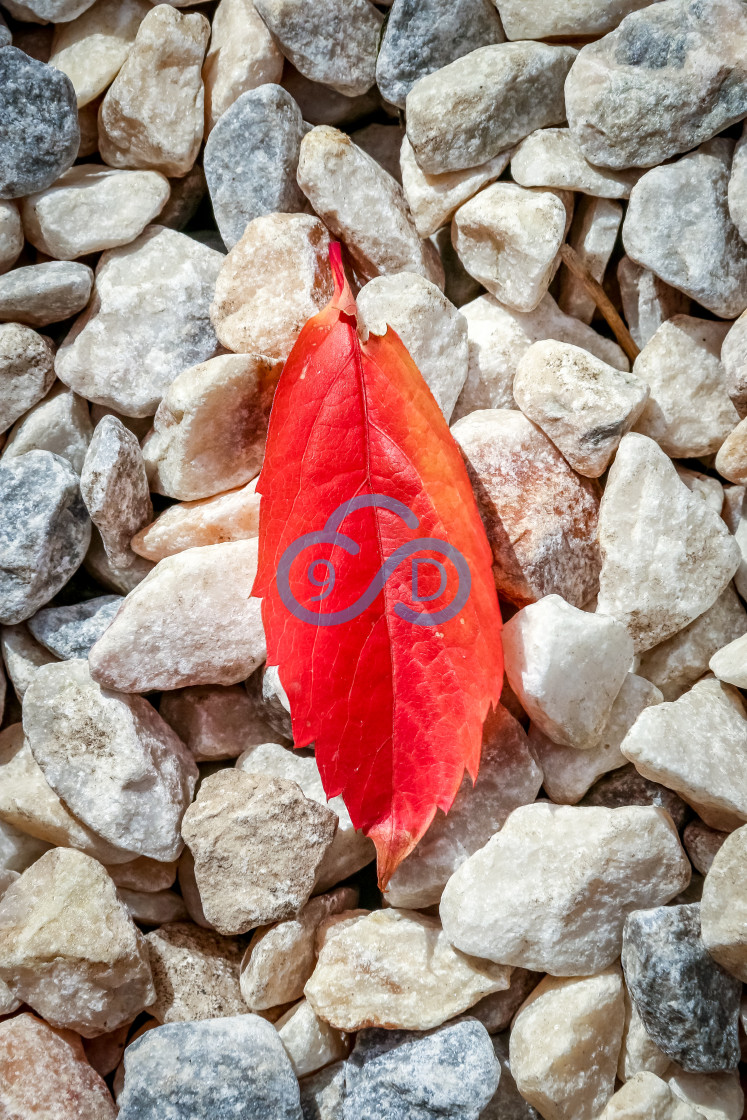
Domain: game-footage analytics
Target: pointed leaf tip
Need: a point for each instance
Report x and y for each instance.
(343, 298)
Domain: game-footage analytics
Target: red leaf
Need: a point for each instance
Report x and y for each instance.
(395, 709)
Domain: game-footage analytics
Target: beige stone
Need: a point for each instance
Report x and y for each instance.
(363, 206)
(723, 907)
(209, 431)
(715, 1096)
(257, 844)
(582, 404)
(190, 621)
(551, 157)
(242, 55)
(638, 1053)
(89, 209)
(666, 555)
(153, 908)
(92, 48)
(18, 850)
(541, 19)
(508, 238)
(666, 745)
(552, 889)
(214, 721)
(45, 1072)
(26, 371)
(540, 516)
(69, 948)
(28, 802)
(153, 114)
(731, 460)
(233, 516)
(11, 234)
(144, 874)
(646, 1097)
(281, 958)
(593, 234)
(274, 279)
(396, 969)
(564, 1045)
(195, 973)
(309, 1041)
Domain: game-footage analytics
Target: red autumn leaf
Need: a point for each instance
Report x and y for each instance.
(394, 706)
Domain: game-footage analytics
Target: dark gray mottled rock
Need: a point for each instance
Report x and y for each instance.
(234, 1068)
(71, 631)
(114, 486)
(423, 35)
(26, 371)
(39, 135)
(669, 77)
(678, 225)
(485, 102)
(251, 158)
(44, 531)
(689, 1005)
(38, 294)
(322, 1093)
(627, 787)
(450, 1072)
(507, 1103)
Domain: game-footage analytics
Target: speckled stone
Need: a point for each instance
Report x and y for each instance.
(114, 486)
(244, 1073)
(39, 294)
(70, 631)
(40, 134)
(322, 1093)
(251, 158)
(627, 787)
(26, 371)
(44, 530)
(450, 1072)
(689, 1004)
(424, 35)
(195, 973)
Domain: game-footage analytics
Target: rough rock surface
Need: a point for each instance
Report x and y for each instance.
(540, 517)
(729, 663)
(92, 48)
(195, 973)
(551, 890)
(593, 236)
(646, 300)
(724, 905)
(242, 55)
(551, 157)
(257, 844)
(59, 423)
(68, 947)
(39, 294)
(701, 844)
(44, 531)
(734, 359)
(231, 516)
(215, 722)
(114, 486)
(646, 1095)
(638, 1051)
(666, 555)
(69, 632)
(485, 102)
(688, 1003)
(26, 371)
(395, 969)
(309, 1042)
(126, 350)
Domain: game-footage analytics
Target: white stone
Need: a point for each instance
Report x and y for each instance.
(593, 235)
(666, 745)
(737, 194)
(59, 423)
(715, 1096)
(22, 656)
(540, 19)
(567, 772)
(350, 850)
(89, 209)
(551, 157)
(647, 1097)
(148, 320)
(552, 889)
(395, 969)
(666, 556)
(730, 662)
(242, 55)
(638, 1053)
(566, 667)
(499, 337)
(723, 907)
(11, 234)
(363, 206)
(564, 1044)
(433, 199)
(707, 487)
(190, 621)
(508, 238)
(92, 48)
(431, 328)
(508, 777)
(582, 404)
(114, 487)
(112, 759)
(310, 1043)
(689, 412)
(647, 301)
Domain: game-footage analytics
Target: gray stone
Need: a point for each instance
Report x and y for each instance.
(234, 1068)
(26, 371)
(40, 134)
(484, 102)
(39, 11)
(251, 158)
(424, 35)
(449, 1072)
(678, 226)
(627, 787)
(5, 35)
(38, 294)
(44, 531)
(321, 104)
(507, 1102)
(332, 41)
(69, 632)
(382, 142)
(670, 77)
(59, 423)
(322, 1093)
(689, 1005)
(114, 486)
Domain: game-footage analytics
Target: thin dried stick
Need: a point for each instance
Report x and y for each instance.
(573, 262)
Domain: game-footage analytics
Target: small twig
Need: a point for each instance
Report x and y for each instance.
(573, 262)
